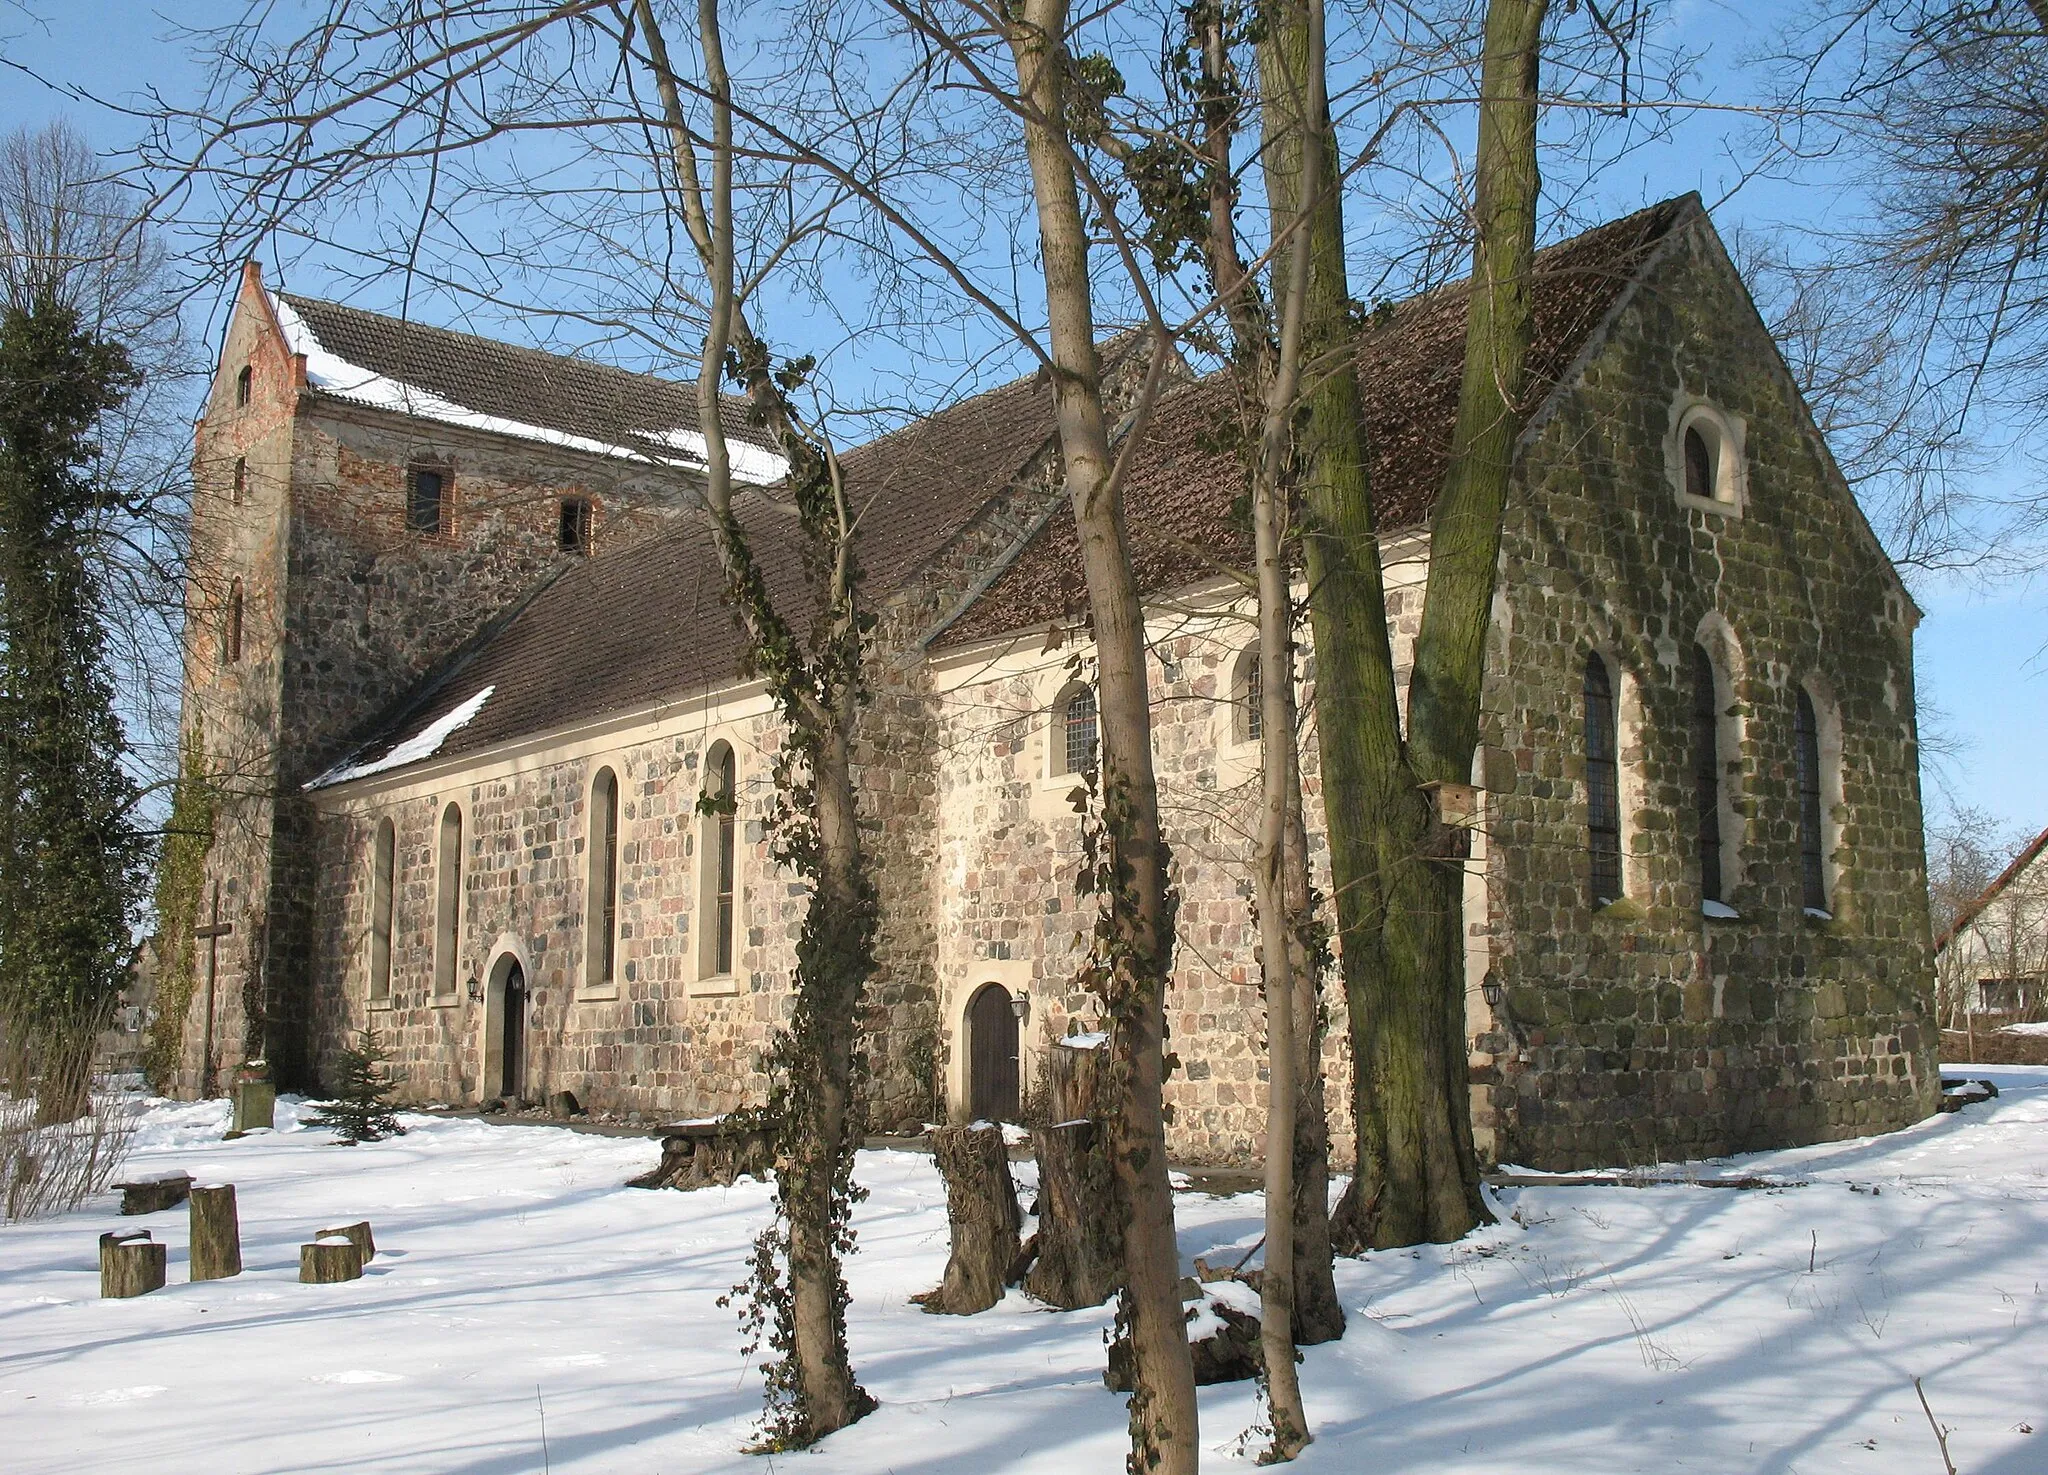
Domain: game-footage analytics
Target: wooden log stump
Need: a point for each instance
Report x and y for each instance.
(710, 1154)
(1223, 1344)
(216, 1232)
(154, 1194)
(357, 1234)
(131, 1264)
(1080, 1240)
(329, 1262)
(981, 1212)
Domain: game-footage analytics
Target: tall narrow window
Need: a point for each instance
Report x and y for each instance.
(1699, 466)
(1251, 702)
(241, 481)
(383, 865)
(573, 534)
(423, 497)
(448, 900)
(1706, 772)
(243, 382)
(718, 862)
(602, 922)
(1813, 880)
(231, 627)
(1077, 727)
(1603, 784)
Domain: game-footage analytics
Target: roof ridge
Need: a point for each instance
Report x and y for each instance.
(2027, 856)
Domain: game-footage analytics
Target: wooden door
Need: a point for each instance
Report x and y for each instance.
(992, 1075)
(512, 1064)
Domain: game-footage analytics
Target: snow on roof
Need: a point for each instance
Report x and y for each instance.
(332, 374)
(423, 744)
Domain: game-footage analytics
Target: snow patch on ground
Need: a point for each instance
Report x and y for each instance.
(1595, 1330)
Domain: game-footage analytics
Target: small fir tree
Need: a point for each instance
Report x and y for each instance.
(361, 1109)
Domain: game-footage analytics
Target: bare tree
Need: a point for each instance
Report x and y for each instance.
(1937, 114)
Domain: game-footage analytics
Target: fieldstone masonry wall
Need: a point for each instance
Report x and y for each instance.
(1650, 1031)
(1645, 1031)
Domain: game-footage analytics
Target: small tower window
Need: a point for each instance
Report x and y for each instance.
(231, 630)
(574, 533)
(1603, 783)
(244, 381)
(1813, 881)
(425, 490)
(1706, 772)
(241, 482)
(1699, 465)
(1077, 723)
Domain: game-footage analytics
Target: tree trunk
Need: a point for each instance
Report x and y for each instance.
(981, 1212)
(216, 1233)
(131, 1264)
(1163, 1413)
(1080, 1244)
(329, 1262)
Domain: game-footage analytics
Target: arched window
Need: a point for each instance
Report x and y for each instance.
(1706, 772)
(1699, 465)
(1248, 712)
(718, 863)
(448, 899)
(241, 481)
(1603, 783)
(601, 920)
(231, 630)
(383, 865)
(1813, 879)
(1076, 731)
(243, 382)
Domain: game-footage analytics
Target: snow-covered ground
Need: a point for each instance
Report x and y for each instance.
(520, 1288)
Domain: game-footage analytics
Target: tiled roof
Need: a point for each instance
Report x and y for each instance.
(1989, 894)
(625, 630)
(1179, 493)
(574, 396)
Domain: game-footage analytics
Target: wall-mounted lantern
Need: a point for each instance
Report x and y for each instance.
(476, 989)
(1020, 1005)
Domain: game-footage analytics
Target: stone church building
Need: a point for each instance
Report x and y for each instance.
(458, 655)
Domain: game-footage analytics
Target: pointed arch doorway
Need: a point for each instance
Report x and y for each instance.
(505, 1030)
(993, 1077)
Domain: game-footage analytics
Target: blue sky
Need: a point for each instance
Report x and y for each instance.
(1983, 673)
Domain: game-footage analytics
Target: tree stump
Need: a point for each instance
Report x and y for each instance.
(1223, 1343)
(710, 1154)
(329, 1261)
(1080, 1240)
(154, 1195)
(216, 1233)
(357, 1234)
(131, 1264)
(981, 1211)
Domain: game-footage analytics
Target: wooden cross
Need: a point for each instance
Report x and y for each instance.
(210, 934)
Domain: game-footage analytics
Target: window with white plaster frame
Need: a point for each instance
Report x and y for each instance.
(1724, 652)
(601, 886)
(1833, 803)
(721, 882)
(448, 904)
(1699, 425)
(383, 877)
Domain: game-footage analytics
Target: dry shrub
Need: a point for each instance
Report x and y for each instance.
(64, 1131)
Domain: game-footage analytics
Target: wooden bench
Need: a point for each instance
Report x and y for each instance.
(156, 1193)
